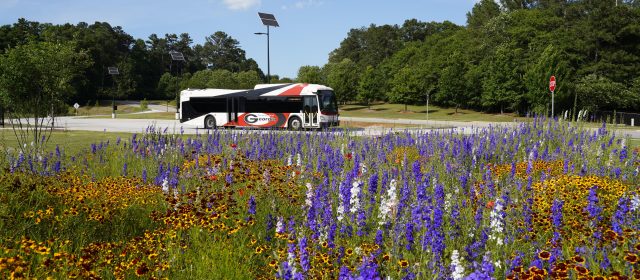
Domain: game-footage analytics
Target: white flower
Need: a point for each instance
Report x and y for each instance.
(635, 203)
(298, 160)
(389, 203)
(289, 161)
(280, 225)
(457, 268)
(363, 169)
(340, 211)
(496, 223)
(308, 200)
(355, 196)
(165, 186)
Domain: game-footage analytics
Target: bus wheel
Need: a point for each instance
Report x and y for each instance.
(210, 122)
(295, 123)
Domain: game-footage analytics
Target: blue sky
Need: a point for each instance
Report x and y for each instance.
(309, 29)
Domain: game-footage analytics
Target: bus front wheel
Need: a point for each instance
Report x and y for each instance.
(295, 123)
(209, 122)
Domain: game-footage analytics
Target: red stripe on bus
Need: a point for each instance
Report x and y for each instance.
(294, 91)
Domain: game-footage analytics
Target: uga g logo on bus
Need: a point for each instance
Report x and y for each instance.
(259, 119)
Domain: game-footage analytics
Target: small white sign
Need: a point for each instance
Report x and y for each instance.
(76, 106)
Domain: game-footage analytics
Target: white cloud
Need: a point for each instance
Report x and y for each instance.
(241, 4)
(304, 4)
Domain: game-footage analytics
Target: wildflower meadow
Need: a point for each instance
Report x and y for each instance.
(544, 199)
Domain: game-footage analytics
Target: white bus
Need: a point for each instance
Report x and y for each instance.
(292, 106)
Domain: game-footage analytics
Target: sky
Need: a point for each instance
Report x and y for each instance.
(309, 29)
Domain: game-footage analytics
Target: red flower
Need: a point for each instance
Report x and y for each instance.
(348, 156)
(233, 145)
(490, 204)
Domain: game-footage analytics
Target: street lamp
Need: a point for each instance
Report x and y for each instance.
(177, 56)
(113, 71)
(267, 20)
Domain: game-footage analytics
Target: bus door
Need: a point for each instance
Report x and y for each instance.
(232, 109)
(310, 110)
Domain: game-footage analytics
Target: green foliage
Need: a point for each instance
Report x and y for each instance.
(370, 86)
(310, 74)
(482, 12)
(501, 87)
(34, 81)
(343, 78)
(144, 104)
(223, 79)
(508, 53)
(600, 93)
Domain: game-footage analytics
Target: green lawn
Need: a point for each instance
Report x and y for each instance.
(172, 102)
(397, 111)
(105, 110)
(71, 141)
(153, 116)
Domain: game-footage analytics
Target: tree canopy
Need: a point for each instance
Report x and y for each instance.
(501, 61)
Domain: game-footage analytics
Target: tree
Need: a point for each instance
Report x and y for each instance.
(536, 78)
(600, 93)
(34, 80)
(407, 87)
(310, 74)
(369, 87)
(502, 86)
(167, 86)
(221, 51)
(482, 12)
(452, 83)
(343, 78)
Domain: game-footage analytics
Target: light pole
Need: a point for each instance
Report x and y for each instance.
(113, 71)
(268, 20)
(177, 56)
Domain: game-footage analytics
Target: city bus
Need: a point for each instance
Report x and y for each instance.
(291, 106)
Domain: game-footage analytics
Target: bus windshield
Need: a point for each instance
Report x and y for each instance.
(328, 101)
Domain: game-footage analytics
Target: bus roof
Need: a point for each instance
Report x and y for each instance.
(260, 90)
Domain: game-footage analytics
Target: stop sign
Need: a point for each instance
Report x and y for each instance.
(552, 83)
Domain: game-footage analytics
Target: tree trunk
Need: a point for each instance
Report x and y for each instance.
(405, 107)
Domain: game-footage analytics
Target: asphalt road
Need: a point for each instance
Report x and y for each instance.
(174, 126)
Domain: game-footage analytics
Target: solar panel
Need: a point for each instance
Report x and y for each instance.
(175, 55)
(113, 70)
(268, 19)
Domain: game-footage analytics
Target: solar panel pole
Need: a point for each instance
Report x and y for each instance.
(113, 71)
(177, 57)
(268, 20)
(268, 59)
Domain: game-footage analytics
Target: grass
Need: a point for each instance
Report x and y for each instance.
(172, 102)
(72, 142)
(397, 111)
(153, 116)
(105, 110)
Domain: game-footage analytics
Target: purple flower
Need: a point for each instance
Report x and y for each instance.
(618, 219)
(252, 205)
(592, 208)
(409, 235)
(556, 213)
(304, 255)
(144, 175)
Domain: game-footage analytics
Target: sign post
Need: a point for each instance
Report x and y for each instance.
(76, 106)
(552, 88)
